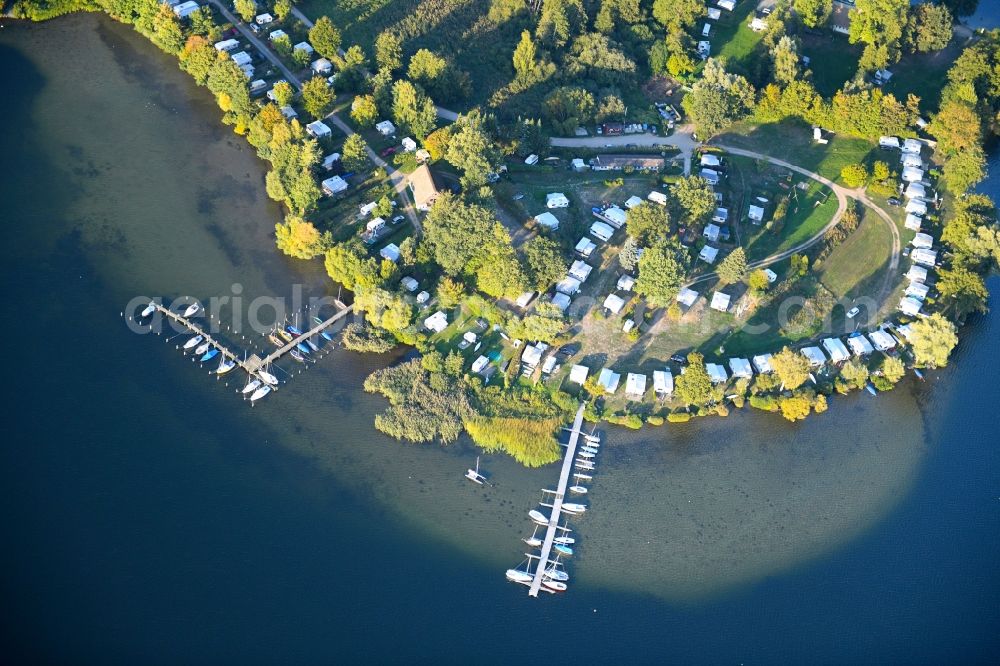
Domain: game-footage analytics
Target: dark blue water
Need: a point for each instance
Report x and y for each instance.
(149, 519)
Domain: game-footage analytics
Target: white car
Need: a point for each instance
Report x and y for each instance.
(853, 312)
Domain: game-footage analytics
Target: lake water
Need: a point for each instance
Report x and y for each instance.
(153, 516)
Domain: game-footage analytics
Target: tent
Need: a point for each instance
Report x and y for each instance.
(708, 254)
(663, 382)
(814, 355)
(321, 66)
(912, 174)
(912, 222)
(916, 274)
(632, 202)
(881, 340)
(836, 349)
(390, 252)
(568, 286)
(859, 344)
(915, 191)
(578, 374)
(615, 215)
(755, 213)
(608, 380)
(601, 231)
(711, 232)
(709, 160)
(556, 200)
(437, 322)
(720, 301)
(763, 363)
(687, 297)
(614, 302)
(925, 241)
(741, 368)
(409, 283)
(910, 306)
(580, 270)
(586, 246)
(716, 373)
(547, 220)
(924, 257)
(635, 385)
(385, 128)
(561, 301)
(916, 206)
(625, 283)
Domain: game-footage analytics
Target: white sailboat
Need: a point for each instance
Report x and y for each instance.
(260, 393)
(225, 365)
(474, 475)
(565, 540)
(585, 454)
(538, 517)
(251, 386)
(555, 585)
(149, 309)
(555, 574)
(268, 377)
(193, 341)
(573, 507)
(518, 576)
(191, 309)
(203, 348)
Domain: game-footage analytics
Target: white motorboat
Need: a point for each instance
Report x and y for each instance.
(582, 477)
(585, 464)
(252, 386)
(149, 309)
(573, 507)
(579, 490)
(518, 576)
(555, 585)
(590, 449)
(268, 377)
(203, 348)
(566, 541)
(191, 309)
(556, 574)
(532, 541)
(538, 517)
(592, 438)
(225, 365)
(193, 341)
(585, 454)
(260, 393)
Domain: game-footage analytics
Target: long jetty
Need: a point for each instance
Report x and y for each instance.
(557, 502)
(254, 363)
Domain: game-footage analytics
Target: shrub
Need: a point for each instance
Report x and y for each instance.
(531, 442)
(678, 417)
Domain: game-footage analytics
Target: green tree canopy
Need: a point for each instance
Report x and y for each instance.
(472, 149)
(813, 13)
(543, 262)
(647, 223)
(316, 97)
(525, 55)
(298, 238)
(791, 367)
(413, 109)
(693, 199)
(932, 339)
(247, 9)
(718, 99)
(963, 289)
(388, 51)
(354, 154)
(694, 386)
(325, 38)
(351, 266)
(364, 111)
(662, 269)
(456, 232)
(928, 27)
(733, 268)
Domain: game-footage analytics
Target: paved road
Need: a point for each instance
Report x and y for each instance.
(257, 42)
(681, 139)
(842, 194)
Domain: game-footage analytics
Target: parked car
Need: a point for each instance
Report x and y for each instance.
(893, 201)
(571, 349)
(853, 312)
(678, 358)
(398, 219)
(388, 151)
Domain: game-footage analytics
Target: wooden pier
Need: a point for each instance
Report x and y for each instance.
(253, 364)
(557, 501)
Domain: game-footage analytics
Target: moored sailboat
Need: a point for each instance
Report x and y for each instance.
(193, 341)
(225, 365)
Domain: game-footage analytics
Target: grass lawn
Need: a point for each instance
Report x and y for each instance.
(832, 59)
(739, 42)
(808, 212)
(855, 267)
(792, 141)
(924, 75)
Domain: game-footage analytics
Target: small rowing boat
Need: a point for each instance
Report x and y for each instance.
(209, 355)
(317, 320)
(193, 342)
(285, 335)
(278, 342)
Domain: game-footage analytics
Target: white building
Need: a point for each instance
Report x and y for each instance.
(586, 246)
(925, 241)
(763, 363)
(916, 274)
(556, 200)
(318, 129)
(547, 220)
(334, 185)
(859, 344)
(915, 190)
(185, 9)
(687, 297)
(740, 368)
(263, 19)
(708, 254)
(709, 160)
(615, 216)
(614, 303)
(578, 374)
(277, 34)
(716, 373)
(711, 175)
(910, 306)
(601, 231)
(561, 301)
(437, 322)
(912, 160)
(304, 46)
(888, 142)
(836, 349)
(917, 290)
(912, 175)
(608, 380)
(924, 257)
(386, 128)
(912, 146)
(912, 222)
(226, 45)
(720, 301)
(635, 385)
(663, 382)
(321, 66)
(578, 164)
(756, 213)
(916, 206)
(721, 215)
(625, 283)
(568, 286)
(580, 270)
(881, 340)
(241, 58)
(288, 112)
(711, 232)
(814, 355)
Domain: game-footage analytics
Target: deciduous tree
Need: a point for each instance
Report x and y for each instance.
(813, 13)
(364, 111)
(388, 51)
(791, 368)
(298, 238)
(662, 268)
(325, 38)
(733, 268)
(694, 386)
(316, 97)
(932, 339)
(543, 262)
(354, 153)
